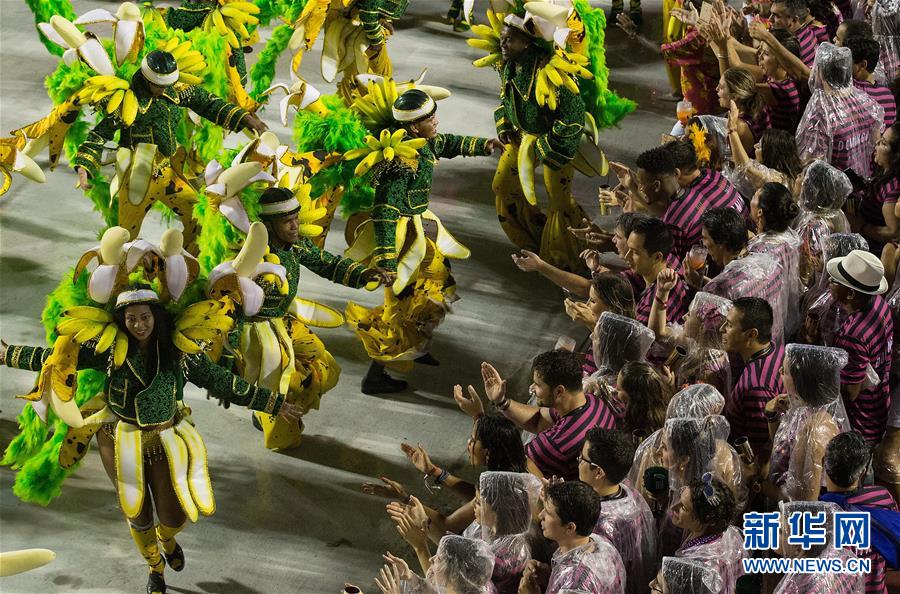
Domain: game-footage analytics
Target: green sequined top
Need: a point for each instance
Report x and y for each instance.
(305, 253)
(402, 188)
(559, 132)
(190, 15)
(157, 121)
(136, 395)
(371, 13)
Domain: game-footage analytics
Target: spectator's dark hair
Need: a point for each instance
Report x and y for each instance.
(847, 457)
(626, 221)
(883, 176)
(778, 206)
(612, 450)
(779, 152)
(856, 28)
(503, 443)
(161, 335)
(615, 292)
(510, 500)
(835, 67)
(756, 314)
(576, 503)
(648, 397)
(787, 40)
(716, 510)
(656, 234)
(559, 368)
(683, 154)
(822, 10)
(726, 227)
(796, 8)
(864, 48)
(656, 161)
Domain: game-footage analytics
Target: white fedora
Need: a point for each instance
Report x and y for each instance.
(860, 271)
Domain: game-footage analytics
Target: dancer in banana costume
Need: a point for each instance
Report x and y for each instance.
(393, 238)
(272, 345)
(145, 170)
(230, 18)
(146, 437)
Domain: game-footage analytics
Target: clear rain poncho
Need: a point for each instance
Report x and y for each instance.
(814, 583)
(508, 502)
(692, 447)
(703, 357)
(594, 567)
(885, 21)
(694, 402)
(823, 192)
(841, 123)
(616, 341)
(725, 553)
(689, 576)
(785, 248)
(832, 246)
(716, 129)
(816, 415)
(824, 315)
(629, 525)
(461, 565)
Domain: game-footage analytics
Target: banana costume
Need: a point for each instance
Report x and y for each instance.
(393, 237)
(147, 166)
(273, 346)
(142, 407)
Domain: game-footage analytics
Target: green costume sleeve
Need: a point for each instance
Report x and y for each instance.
(391, 181)
(223, 384)
(559, 146)
(214, 109)
(335, 268)
(33, 358)
(447, 146)
(370, 17)
(90, 153)
(503, 125)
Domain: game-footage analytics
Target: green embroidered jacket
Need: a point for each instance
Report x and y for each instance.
(559, 132)
(157, 121)
(371, 13)
(191, 15)
(140, 397)
(402, 187)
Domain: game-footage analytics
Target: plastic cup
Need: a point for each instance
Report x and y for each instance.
(696, 257)
(683, 111)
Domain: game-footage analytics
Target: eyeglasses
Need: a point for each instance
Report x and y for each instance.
(586, 461)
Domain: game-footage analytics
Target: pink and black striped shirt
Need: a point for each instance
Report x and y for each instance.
(759, 382)
(676, 305)
(786, 112)
(871, 205)
(683, 218)
(808, 38)
(883, 96)
(555, 451)
(715, 189)
(868, 336)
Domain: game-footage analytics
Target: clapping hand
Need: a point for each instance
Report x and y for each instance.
(494, 385)
(580, 312)
(472, 405)
(591, 259)
(688, 15)
(418, 456)
(390, 489)
(412, 531)
(626, 24)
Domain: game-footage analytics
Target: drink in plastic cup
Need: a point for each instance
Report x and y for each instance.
(566, 343)
(696, 257)
(683, 111)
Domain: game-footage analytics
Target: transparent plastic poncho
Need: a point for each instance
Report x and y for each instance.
(832, 246)
(841, 123)
(594, 567)
(754, 275)
(823, 192)
(816, 415)
(629, 525)
(724, 553)
(690, 575)
(702, 357)
(886, 29)
(785, 248)
(752, 175)
(460, 565)
(695, 402)
(716, 128)
(508, 502)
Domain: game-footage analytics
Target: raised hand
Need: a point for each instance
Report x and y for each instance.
(528, 261)
(418, 456)
(390, 489)
(666, 280)
(494, 385)
(472, 405)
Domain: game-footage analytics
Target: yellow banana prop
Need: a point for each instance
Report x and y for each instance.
(526, 167)
(385, 148)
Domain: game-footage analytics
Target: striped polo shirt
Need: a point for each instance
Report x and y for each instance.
(883, 96)
(683, 218)
(822, 583)
(595, 567)
(759, 382)
(841, 130)
(868, 335)
(872, 203)
(555, 451)
(757, 125)
(715, 189)
(785, 113)
(676, 305)
(809, 41)
(873, 496)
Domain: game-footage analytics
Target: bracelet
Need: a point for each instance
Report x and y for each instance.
(442, 478)
(502, 406)
(661, 304)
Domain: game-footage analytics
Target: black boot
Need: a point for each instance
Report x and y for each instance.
(175, 560)
(156, 584)
(427, 359)
(377, 381)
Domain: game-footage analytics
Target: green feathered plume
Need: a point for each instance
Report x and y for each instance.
(287, 10)
(43, 10)
(607, 108)
(340, 131)
(263, 72)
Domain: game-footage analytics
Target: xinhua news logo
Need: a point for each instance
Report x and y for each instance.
(763, 532)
